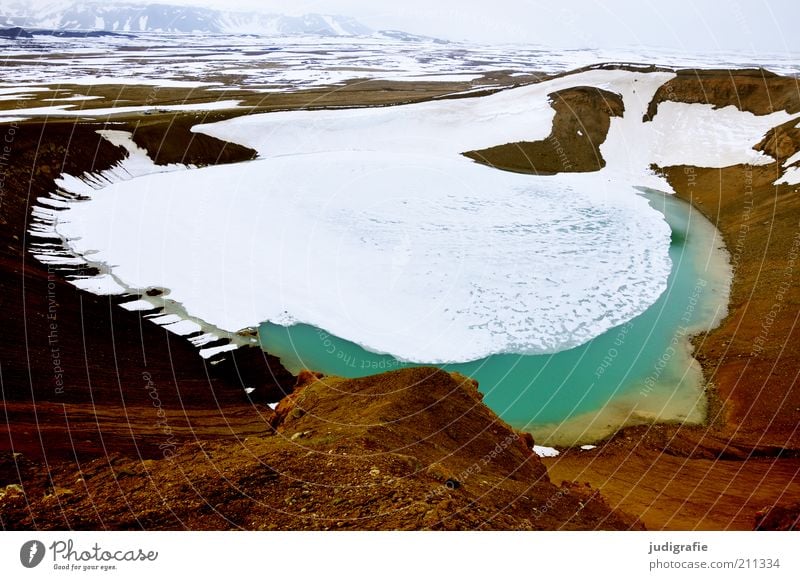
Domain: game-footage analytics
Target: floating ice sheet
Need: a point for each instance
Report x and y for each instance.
(428, 258)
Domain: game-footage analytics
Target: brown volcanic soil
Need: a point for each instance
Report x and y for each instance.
(64, 351)
(410, 449)
(581, 123)
(757, 91)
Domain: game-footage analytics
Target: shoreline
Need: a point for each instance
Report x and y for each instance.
(656, 401)
(681, 349)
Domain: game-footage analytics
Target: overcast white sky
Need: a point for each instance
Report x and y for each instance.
(751, 25)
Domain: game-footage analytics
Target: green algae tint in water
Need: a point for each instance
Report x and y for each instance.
(636, 372)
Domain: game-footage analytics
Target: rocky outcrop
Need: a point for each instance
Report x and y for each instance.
(174, 142)
(781, 142)
(581, 123)
(757, 91)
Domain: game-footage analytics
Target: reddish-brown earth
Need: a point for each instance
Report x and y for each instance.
(411, 449)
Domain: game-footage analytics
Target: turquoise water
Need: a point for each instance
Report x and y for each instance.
(642, 369)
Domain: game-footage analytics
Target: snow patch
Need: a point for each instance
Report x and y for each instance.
(790, 177)
(17, 89)
(74, 98)
(792, 160)
(207, 353)
(454, 78)
(546, 451)
(103, 285)
(700, 135)
(66, 110)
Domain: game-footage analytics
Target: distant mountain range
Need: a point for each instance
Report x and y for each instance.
(131, 17)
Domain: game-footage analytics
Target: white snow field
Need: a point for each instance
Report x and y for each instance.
(292, 63)
(371, 225)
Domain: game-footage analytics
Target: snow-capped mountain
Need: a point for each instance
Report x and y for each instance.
(131, 17)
